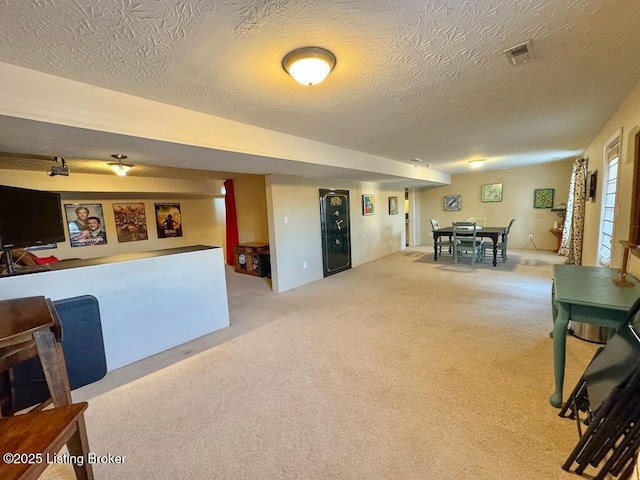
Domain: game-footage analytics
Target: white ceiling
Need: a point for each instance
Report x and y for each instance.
(423, 79)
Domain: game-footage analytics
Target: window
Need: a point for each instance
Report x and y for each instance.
(612, 154)
(634, 227)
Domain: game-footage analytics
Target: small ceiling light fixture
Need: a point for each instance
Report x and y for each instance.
(120, 168)
(476, 163)
(309, 65)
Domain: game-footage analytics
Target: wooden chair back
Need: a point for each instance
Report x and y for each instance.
(30, 327)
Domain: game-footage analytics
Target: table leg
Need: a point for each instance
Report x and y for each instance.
(435, 247)
(560, 325)
(495, 251)
(554, 308)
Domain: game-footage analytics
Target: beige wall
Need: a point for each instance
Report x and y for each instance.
(294, 226)
(202, 224)
(203, 216)
(518, 185)
(627, 118)
(251, 208)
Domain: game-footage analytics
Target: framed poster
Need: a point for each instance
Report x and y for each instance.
(131, 222)
(492, 192)
(85, 222)
(543, 197)
(452, 203)
(393, 205)
(168, 220)
(368, 204)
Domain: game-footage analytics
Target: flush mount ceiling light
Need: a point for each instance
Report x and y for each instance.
(120, 168)
(476, 163)
(309, 65)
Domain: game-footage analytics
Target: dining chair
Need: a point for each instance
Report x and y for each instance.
(442, 241)
(437, 244)
(465, 240)
(479, 221)
(39, 436)
(30, 328)
(501, 246)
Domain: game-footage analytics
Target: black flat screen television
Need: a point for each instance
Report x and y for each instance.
(29, 217)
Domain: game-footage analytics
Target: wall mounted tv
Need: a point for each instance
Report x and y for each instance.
(29, 217)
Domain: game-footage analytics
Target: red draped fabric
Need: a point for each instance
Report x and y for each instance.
(231, 221)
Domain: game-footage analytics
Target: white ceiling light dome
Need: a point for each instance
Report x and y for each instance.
(309, 65)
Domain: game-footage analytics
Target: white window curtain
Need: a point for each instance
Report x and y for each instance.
(573, 231)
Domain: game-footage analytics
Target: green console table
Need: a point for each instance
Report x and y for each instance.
(587, 295)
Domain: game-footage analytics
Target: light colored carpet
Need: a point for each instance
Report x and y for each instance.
(402, 368)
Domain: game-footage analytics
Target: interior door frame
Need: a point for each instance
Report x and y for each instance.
(413, 234)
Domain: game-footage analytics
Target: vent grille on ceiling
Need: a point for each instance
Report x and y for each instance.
(520, 53)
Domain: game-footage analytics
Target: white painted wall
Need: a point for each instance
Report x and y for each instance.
(518, 185)
(146, 305)
(298, 239)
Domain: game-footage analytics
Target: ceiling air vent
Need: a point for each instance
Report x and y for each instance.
(520, 53)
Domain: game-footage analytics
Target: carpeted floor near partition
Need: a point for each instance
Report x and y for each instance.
(403, 368)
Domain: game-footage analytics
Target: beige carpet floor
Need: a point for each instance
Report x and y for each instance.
(403, 368)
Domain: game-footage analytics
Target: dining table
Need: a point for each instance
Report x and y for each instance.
(494, 233)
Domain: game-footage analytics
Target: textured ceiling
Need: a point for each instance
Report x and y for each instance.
(423, 79)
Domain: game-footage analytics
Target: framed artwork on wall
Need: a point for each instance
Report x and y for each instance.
(492, 192)
(543, 197)
(368, 204)
(85, 222)
(452, 203)
(168, 220)
(393, 205)
(131, 222)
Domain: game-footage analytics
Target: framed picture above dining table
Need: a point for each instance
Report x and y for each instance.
(491, 192)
